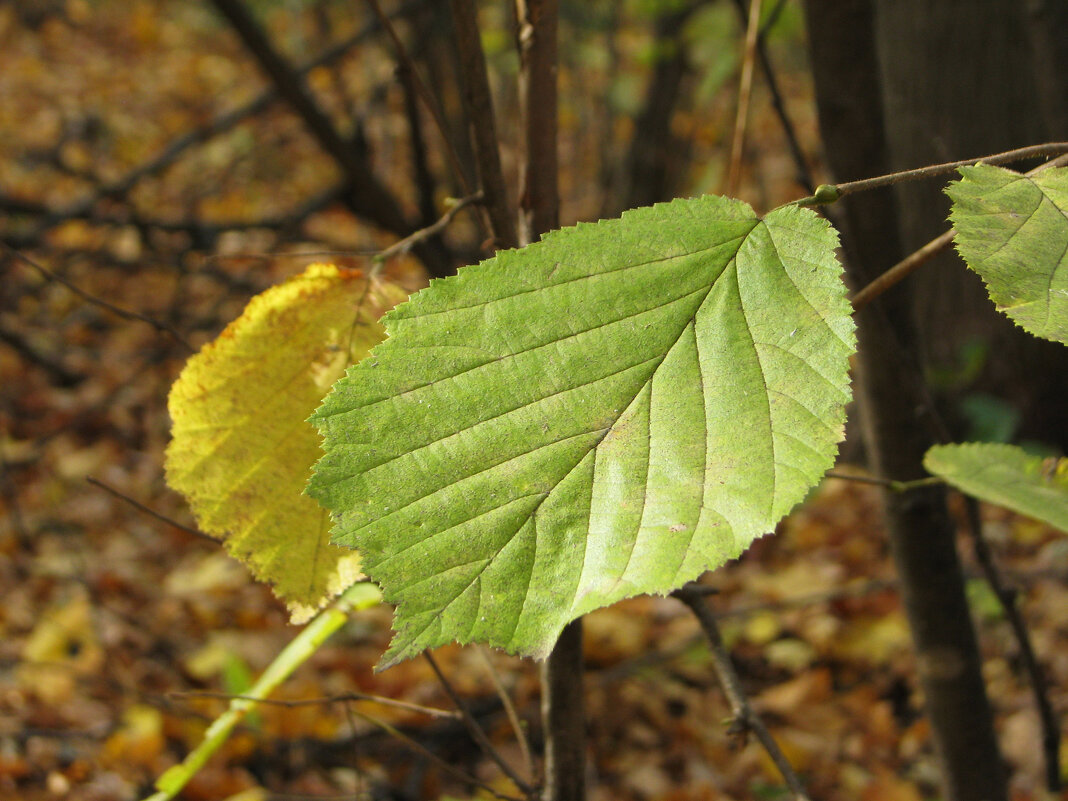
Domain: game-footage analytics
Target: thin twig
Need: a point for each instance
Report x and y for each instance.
(902, 270)
(1051, 734)
(323, 701)
(398, 248)
(422, 175)
(513, 715)
(56, 369)
(434, 758)
(11, 496)
(934, 170)
(889, 483)
(370, 198)
(654, 658)
(124, 313)
(424, 93)
(171, 152)
(745, 90)
(771, 18)
(918, 258)
(205, 233)
(300, 254)
(476, 731)
(404, 245)
(744, 716)
(150, 512)
(804, 175)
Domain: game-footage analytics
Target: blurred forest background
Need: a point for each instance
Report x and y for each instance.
(157, 180)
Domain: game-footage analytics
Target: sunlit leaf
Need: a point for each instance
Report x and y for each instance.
(242, 450)
(1006, 475)
(608, 412)
(1013, 230)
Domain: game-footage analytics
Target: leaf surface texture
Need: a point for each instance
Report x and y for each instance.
(241, 449)
(1013, 231)
(1007, 476)
(610, 411)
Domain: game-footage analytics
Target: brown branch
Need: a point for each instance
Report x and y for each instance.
(745, 719)
(562, 702)
(422, 176)
(478, 106)
(654, 154)
(934, 170)
(511, 712)
(9, 491)
(173, 151)
(326, 700)
(804, 175)
(369, 198)
(425, 94)
(393, 731)
(1051, 733)
(57, 371)
(888, 483)
(539, 205)
(745, 89)
(150, 512)
(124, 313)
(918, 258)
(412, 240)
(902, 270)
(564, 717)
(475, 730)
(204, 233)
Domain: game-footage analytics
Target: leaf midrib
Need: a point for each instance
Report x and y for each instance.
(531, 516)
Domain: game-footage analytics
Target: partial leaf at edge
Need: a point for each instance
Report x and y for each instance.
(1007, 476)
(242, 450)
(1013, 231)
(608, 412)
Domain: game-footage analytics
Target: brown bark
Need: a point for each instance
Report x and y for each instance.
(897, 415)
(564, 718)
(478, 105)
(539, 204)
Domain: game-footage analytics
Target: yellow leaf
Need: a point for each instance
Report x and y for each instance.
(62, 647)
(241, 449)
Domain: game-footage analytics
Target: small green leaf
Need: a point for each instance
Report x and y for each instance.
(1013, 231)
(608, 412)
(1006, 475)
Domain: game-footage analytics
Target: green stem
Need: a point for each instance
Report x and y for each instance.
(306, 643)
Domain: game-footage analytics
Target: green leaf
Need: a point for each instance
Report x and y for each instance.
(241, 449)
(608, 412)
(1007, 476)
(1013, 231)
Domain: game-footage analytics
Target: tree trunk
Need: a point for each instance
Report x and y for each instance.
(959, 80)
(897, 416)
(656, 157)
